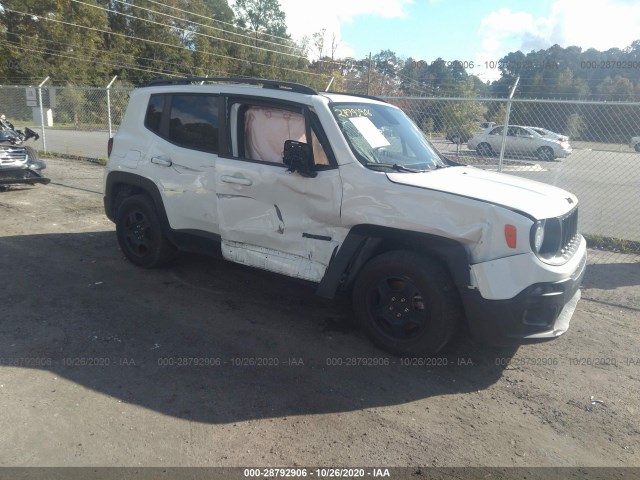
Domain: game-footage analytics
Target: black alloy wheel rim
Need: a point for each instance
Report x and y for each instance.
(137, 233)
(397, 308)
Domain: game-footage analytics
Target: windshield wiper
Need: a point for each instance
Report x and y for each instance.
(394, 166)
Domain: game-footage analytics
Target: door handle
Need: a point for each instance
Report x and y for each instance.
(162, 160)
(236, 180)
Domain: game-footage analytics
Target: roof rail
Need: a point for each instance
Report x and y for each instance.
(361, 95)
(274, 84)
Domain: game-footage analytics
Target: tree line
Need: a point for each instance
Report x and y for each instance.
(87, 42)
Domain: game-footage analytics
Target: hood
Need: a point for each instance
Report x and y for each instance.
(536, 199)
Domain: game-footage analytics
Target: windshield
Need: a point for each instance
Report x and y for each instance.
(383, 136)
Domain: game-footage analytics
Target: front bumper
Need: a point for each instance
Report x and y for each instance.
(540, 312)
(564, 153)
(29, 176)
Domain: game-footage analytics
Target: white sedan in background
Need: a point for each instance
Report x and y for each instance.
(520, 141)
(543, 132)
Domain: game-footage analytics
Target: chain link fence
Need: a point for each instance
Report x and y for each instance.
(78, 121)
(584, 147)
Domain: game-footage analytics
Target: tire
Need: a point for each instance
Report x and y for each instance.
(484, 150)
(545, 154)
(637, 147)
(140, 233)
(406, 303)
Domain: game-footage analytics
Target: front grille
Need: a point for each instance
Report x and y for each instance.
(561, 238)
(12, 155)
(570, 237)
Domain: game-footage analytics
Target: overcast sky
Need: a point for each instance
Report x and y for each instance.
(466, 30)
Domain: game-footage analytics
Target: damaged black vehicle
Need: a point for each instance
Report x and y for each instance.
(19, 164)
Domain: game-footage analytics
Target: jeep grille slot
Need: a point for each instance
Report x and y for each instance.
(9, 155)
(569, 229)
(561, 238)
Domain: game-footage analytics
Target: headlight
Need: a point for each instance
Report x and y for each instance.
(538, 236)
(546, 237)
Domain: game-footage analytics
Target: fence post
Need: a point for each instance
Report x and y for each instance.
(44, 138)
(109, 103)
(506, 124)
(329, 86)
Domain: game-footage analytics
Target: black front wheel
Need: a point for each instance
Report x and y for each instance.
(406, 303)
(140, 234)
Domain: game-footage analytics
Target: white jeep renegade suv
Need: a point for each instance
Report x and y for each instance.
(346, 192)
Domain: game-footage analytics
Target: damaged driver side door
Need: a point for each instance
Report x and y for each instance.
(269, 217)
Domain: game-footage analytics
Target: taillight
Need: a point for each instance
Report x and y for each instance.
(109, 146)
(510, 235)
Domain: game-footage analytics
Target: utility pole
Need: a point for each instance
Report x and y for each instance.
(369, 74)
(44, 137)
(506, 124)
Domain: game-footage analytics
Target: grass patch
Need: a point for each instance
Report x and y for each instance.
(612, 244)
(486, 161)
(99, 161)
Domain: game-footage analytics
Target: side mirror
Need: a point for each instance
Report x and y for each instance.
(297, 156)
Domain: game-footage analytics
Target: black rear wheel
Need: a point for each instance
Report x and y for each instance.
(485, 150)
(545, 154)
(140, 233)
(406, 303)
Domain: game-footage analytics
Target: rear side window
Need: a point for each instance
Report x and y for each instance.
(193, 122)
(154, 113)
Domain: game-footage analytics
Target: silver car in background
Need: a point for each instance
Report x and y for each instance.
(543, 132)
(519, 141)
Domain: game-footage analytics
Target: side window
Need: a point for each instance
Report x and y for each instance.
(154, 113)
(193, 122)
(265, 129)
(496, 131)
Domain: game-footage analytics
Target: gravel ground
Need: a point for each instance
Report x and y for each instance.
(208, 363)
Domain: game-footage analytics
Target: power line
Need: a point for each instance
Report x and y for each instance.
(246, 45)
(186, 30)
(108, 52)
(204, 16)
(88, 60)
(49, 51)
(293, 47)
(158, 43)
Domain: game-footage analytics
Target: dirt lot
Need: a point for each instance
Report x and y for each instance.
(212, 364)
